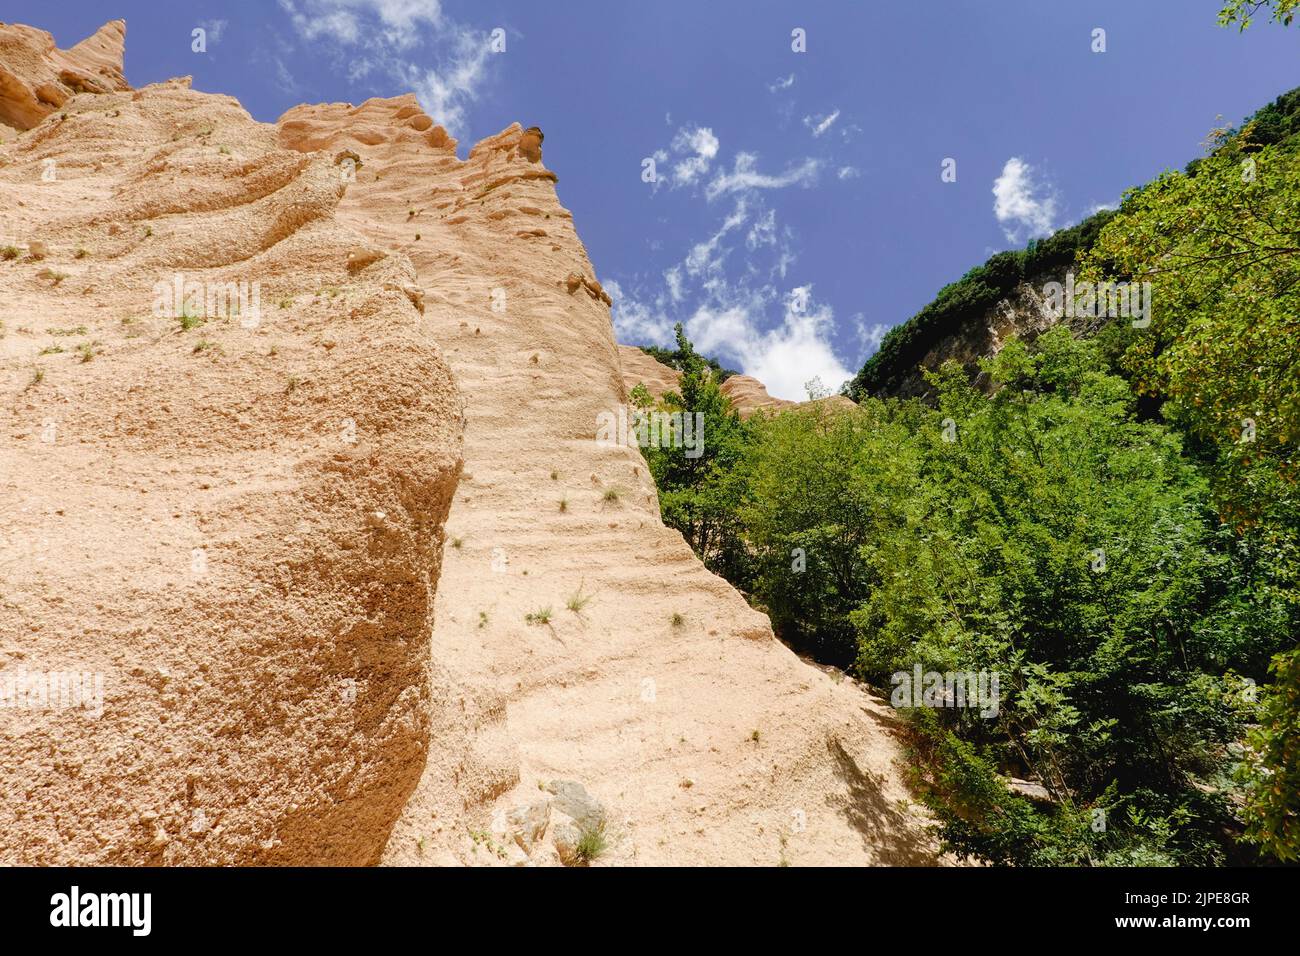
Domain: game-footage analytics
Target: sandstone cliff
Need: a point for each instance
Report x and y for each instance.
(307, 690)
(230, 523)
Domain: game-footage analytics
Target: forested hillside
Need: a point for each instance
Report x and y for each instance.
(1109, 524)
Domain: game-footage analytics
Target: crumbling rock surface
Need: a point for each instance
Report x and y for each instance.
(590, 644)
(37, 78)
(230, 520)
(237, 519)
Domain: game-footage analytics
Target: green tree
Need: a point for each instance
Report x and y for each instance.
(823, 482)
(1242, 12)
(701, 488)
(1072, 548)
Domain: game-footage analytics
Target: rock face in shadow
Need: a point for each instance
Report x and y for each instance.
(229, 444)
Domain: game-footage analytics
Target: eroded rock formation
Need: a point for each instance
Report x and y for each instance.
(229, 519)
(239, 523)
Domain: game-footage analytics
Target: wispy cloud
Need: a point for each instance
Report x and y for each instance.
(214, 29)
(781, 83)
(1023, 205)
(698, 147)
(447, 92)
(708, 256)
(820, 124)
(869, 336)
(725, 293)
(400, 38)
(635, 321)
(745, 176)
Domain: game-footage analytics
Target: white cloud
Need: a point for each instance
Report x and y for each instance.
(214, 29)
(869, 336)
(763, 231)
(701, 146)
(673, 277)
(636, 322)
(820, 124)
(349, 21)
(704, 256)
(781, 83)
(371, 34)
(447, 92)
(1022, 205)
(783, 358)
(744, 176)
(848, 172)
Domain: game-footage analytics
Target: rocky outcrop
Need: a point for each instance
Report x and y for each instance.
(37, 78)
(1020, 315)
(222, 509)
(642, 369)
(749, 395)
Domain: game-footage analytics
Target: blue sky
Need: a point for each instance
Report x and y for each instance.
(798, 210)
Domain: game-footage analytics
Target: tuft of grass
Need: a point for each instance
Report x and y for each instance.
(224, 150)
(577, 600)
(755, 736)
(77, 330)
(564, 504)
(611, 495)
(148, 231)
(9, 253)
(555, 476)
(202, 346)
(591, 844)
(482, 619)
(81, 254)
(540, 616)
(457, 542)
(51, 350)
(677, 619)
(53, 275)
(87, 350)
(38, 376)
(285, 303)
(188, 321)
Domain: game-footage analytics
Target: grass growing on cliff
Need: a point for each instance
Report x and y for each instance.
(592, 843)
(577, 601)
(540, 616)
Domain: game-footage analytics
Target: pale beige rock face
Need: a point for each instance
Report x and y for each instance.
(642, 369)
(301, 695)
(615, 696)
(36, 77)
(237, 528)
